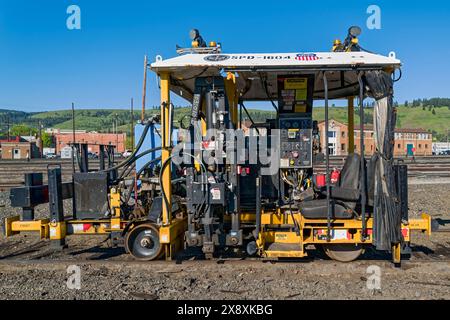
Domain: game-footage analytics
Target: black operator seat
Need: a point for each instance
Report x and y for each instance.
(344, 196)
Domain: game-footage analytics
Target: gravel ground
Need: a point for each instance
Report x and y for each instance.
(200, 280)
(33, 271)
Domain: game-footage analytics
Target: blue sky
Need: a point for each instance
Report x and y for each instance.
(45, 66)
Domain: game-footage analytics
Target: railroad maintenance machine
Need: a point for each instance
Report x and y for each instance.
(218, 183)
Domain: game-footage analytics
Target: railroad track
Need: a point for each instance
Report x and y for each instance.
(40, 252)
(42, 258)
(5, 186)
(12, 171)
(247, 261)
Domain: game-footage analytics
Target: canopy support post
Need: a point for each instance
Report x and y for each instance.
(166, 143)
(232, 96)
(363, 165)
(327, 155)
(351, 125)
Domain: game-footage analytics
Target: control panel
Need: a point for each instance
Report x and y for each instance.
(296, 142)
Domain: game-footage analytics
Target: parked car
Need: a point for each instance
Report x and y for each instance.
(51, 156)
(92, 155)
(118, 155)
(127, 153)
(445, 153)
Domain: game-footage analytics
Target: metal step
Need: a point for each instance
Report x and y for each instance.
(284, 250)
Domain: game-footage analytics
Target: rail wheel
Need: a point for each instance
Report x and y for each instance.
(142, 242)
(343, 252)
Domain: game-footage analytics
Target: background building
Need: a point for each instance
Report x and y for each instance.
(93, 139)
(54, 131)
(406, 140)
(17, 148)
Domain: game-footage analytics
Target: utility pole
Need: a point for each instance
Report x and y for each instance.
(73, 153)
(40, 129)
(144, 89)
(73, 137)
(40, 142)
(448, 147)
(117, 133)
(113, 123)
(8, 137)
(132, 125)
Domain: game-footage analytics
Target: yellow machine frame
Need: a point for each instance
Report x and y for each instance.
(171, 230)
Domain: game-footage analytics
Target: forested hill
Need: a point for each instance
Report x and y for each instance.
(430, 114)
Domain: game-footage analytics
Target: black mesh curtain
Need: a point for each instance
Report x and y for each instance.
(387, 213)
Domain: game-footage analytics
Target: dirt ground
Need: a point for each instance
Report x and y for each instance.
(30, 269)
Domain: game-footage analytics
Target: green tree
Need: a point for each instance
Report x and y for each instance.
(128, 142)
(22, 130)
(47, 140)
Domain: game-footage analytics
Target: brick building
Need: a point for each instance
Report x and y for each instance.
(406, 140)
(93, 140)
(17, 148)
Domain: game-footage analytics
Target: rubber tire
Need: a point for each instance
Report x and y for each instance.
(343, 252)
(131, 242)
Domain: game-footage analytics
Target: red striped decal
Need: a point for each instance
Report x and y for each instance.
(306, 57)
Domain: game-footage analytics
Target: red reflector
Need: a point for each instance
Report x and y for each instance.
(320, 180)
(335, 175)
(243, 170)
(405, 232)
(205, 144)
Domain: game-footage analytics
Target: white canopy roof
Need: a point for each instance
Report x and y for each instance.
(251, 69)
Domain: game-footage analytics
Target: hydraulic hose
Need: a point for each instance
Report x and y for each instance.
(291, 199)
(126, 171)
(163, 193)
(131, 158)
(145, 166)
(167, 162)
(258, 205)
(266, 89)
(137, 157)
(249, 117)
(138, 175)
